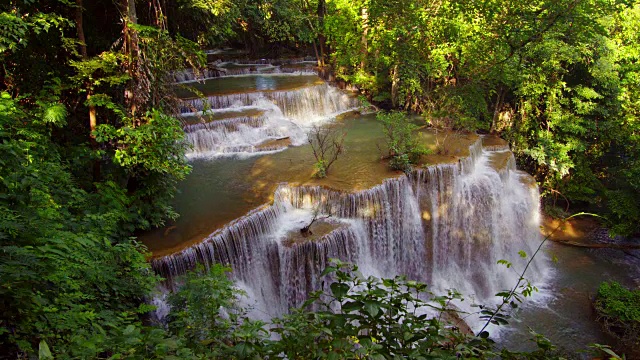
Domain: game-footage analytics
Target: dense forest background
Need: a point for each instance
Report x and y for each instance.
(92, 152)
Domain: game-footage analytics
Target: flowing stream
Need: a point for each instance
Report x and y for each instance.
(447, 223)
(438, 225)
(258, 113)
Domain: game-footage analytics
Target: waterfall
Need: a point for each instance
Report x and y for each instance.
(287, 115)
(300, 104)
(189, 75)
(446, 225)
(244, 67)
(240, 134)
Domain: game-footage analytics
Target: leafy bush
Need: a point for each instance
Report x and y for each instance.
(371, 318)
(68, 278)
(618, 310)
(457, 108)
(404, 149)
(354, 317)
(614, 300)
(204, 312)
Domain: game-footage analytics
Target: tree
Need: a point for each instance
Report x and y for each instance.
(554, 78)
(67, 275)
(74, 278)
(404, 149)
(327, 144)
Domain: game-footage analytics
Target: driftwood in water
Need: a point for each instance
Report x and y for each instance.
(599, 245)
(306, 231)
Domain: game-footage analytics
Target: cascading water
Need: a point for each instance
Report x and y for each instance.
(244, 67)
(477, 215)
(242, 134)
(446, 225)
(300, 104)
(286, 115)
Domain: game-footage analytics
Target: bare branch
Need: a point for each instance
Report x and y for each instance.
(327, 144)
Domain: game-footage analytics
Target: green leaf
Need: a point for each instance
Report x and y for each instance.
(328, 270)
(243, 350)
(339, 290)
(372, 307)
(351, 306)
(43, 351)
(55, 114)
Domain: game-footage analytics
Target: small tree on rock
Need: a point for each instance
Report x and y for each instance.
(404, 148)
(327, 143)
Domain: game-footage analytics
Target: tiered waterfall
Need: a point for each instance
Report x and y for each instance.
(446, 225)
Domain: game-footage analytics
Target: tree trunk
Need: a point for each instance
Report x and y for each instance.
(93, 121)
(315, 50)
(496, 111)
(83, 51)
(365, 30)
(161, 20)
(395, 81)
(80, 29)
(322, 9)
(128, 9)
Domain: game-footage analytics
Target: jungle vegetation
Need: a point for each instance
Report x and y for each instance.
(91, 151)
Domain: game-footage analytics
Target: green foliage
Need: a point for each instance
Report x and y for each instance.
(74, 278)
(462, 108)
(404, 148)
(321, 169)
(99, 71)
(352, 318)
(162, 53)
(205, 313)
(66, 278)
(374, 319)
(559, 80)
(141, 343)
(613, 300)
(618, 310)
(196, 307)
(15, 26)
(209, 23)
(623, 211)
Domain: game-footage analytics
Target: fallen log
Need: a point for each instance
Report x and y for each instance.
(598, 245)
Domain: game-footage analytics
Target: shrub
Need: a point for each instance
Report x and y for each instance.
(404, 148)
(618, 310)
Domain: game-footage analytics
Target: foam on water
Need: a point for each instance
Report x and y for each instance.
(446, 225)
(287, 115)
